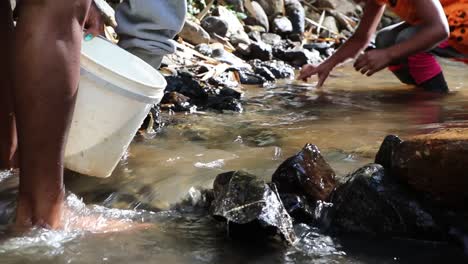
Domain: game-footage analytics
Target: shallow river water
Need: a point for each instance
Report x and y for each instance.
(347, 120)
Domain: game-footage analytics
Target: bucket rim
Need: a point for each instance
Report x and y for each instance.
(126, 77)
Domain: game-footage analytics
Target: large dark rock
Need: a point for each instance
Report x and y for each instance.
(296, 14)
(434, 164)
(374, 203)
(184, 83)
(250, 207)
(306, 174)
(215, 25)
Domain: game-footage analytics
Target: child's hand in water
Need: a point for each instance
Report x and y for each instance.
(321, 70)
(372, 61)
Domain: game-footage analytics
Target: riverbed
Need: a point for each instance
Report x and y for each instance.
(347, 120)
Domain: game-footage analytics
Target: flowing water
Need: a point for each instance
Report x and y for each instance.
(347, 120)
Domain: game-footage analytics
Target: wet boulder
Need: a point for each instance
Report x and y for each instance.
(374, 203)
(385, 154)
(434, 164)
(251, 208)
(306, 174)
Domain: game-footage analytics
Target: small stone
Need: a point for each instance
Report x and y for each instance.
(215, 25)
(282, 26)
(194, 34)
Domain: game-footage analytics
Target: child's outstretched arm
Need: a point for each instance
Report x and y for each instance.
(353, 46)
(433, 29)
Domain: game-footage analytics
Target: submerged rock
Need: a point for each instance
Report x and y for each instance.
(251, 208)
(372, 202)
(306, 174)
(433, 164)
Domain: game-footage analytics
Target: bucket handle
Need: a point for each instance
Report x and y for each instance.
(112, 87)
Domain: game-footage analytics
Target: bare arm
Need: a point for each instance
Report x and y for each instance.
(372, 14)
(355, 44)
(434, 28)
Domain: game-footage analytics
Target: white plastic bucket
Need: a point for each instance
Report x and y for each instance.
(117, 90)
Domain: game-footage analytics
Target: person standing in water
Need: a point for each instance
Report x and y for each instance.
(39, 75)
(406, 48)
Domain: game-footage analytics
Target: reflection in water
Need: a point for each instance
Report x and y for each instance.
(347, 120)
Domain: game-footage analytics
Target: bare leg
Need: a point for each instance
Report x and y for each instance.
(46, 74)
(7, 119)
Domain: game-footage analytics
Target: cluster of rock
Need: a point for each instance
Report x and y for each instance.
(252, 43)
(415, 189)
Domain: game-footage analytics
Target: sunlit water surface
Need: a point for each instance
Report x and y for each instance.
(347, 120)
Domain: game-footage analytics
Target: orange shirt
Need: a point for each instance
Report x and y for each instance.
(455, 10)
